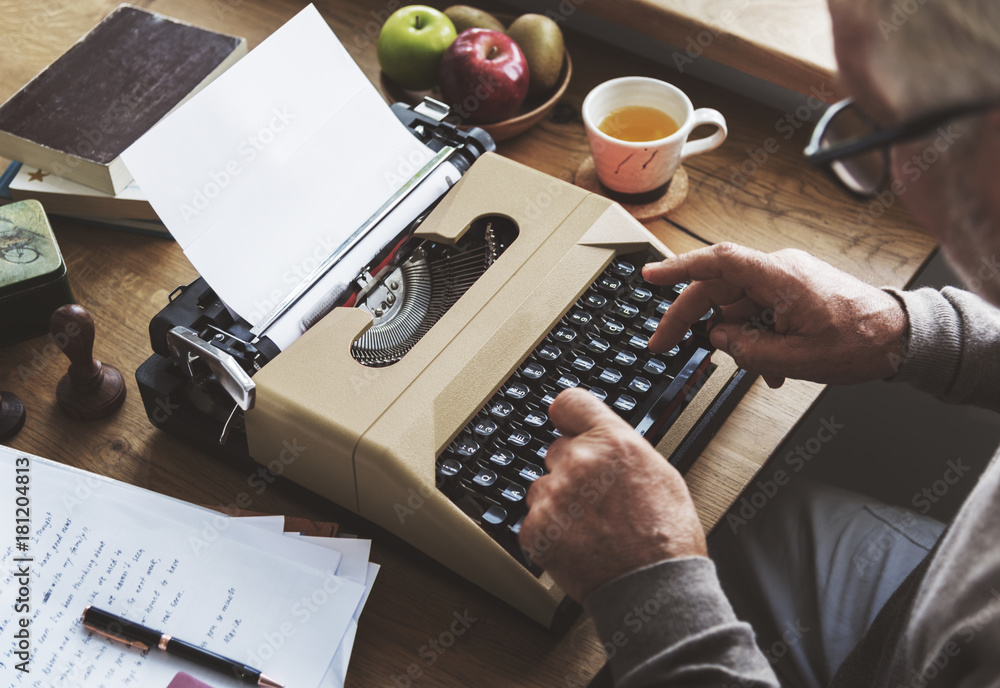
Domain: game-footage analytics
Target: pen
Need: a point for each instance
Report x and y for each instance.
(136, 635)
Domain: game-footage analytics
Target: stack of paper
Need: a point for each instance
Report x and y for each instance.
(285, 604)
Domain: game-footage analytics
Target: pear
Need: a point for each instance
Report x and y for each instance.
(541, 42)
(465, 17)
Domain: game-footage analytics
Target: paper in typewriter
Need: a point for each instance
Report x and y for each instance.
(264, 173)
(279, 603)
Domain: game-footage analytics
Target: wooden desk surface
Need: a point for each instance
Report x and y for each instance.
(755, 189)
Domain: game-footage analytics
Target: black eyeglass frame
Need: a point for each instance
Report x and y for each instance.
(880, 138)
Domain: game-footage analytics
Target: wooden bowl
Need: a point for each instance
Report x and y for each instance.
(531, 111)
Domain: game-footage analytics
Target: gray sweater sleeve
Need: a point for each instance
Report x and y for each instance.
(953, 348)
(670, 624)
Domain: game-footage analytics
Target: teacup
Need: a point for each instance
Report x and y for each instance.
(644, 167)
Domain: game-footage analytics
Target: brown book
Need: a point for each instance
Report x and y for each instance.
(79, 114)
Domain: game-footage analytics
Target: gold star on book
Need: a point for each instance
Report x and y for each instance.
(38, 176)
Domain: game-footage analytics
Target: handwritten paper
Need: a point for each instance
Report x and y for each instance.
(272, 601)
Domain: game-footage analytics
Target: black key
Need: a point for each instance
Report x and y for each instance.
(582, 363)
(533, 370)
(501, 456)
(625, 403)
(611, 327)
(654, 367)
(687, 336)
(566, 381)
(516, 528)
(449, 468)
(466, 446)
(518, 438)
(662, 307)
(500, 408)
(608, 283)
(484, 427)
(680, 287)
(580, 317)
(641, 295)
(513, 492)
(625, 310)
(599, 393)
(547, 399)
(447, 472)
(610, 376)
(494, 516)
(640, 385)
(673, 352)
(541, 452)
(531, 472)
(639, 342)
(708, 314)
(650, 324)
(595, 301)
(598, 345)
(622, 269)
(564, 335)
(517, 390)
(549, 352)
(485, 477)
(625, 358)
(536, 419)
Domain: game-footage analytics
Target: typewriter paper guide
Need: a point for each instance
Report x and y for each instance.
(257, 176)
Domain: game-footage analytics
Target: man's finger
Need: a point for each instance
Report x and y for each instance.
(744, 267)
(763, 352)
(575, 411)
(689, 307)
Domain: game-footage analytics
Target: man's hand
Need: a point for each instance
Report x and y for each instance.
(609, 504)
(783, 314)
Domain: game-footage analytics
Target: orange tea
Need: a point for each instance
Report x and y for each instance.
(638, 123)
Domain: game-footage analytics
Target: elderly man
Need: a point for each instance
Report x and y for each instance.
(929, 614)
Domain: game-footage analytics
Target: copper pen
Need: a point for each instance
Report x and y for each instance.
(136, 635)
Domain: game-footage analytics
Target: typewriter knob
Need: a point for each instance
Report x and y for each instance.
(89, 390)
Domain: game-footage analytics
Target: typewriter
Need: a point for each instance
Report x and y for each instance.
(418, 396)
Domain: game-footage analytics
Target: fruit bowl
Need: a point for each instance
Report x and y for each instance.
(531, 111)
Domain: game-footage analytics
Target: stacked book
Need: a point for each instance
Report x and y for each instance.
(67, 127)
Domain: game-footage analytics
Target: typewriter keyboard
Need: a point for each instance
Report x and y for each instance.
(599, 345)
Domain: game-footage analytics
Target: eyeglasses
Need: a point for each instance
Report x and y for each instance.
(852, 147)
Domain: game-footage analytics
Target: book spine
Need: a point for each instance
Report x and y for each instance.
(6, 178)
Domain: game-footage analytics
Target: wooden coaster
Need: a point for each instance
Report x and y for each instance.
(586, 177)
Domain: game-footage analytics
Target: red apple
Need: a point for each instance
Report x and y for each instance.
(484, 76)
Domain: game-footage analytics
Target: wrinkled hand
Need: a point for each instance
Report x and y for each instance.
(609, 504)
(783, 314)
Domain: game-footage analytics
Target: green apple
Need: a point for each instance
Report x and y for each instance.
(411, 45)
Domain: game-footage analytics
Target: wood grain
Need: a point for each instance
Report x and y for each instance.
(124, 279)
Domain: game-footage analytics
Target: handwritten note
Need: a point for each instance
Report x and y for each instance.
(272, 601)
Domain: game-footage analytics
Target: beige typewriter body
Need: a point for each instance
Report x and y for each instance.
(372, 435)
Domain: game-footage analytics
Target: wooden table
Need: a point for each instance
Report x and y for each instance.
(755, 189)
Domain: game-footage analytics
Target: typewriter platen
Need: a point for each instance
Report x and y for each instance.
(421, 402)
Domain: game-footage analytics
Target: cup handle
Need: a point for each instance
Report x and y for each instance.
(705, 116)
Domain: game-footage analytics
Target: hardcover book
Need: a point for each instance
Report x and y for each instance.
(76, 117)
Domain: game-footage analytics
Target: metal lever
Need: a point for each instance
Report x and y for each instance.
(187, 349)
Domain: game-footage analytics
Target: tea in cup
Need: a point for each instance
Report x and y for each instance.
(638, 132)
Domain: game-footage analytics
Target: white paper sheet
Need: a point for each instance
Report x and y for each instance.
(269, 600)
(265, 172)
